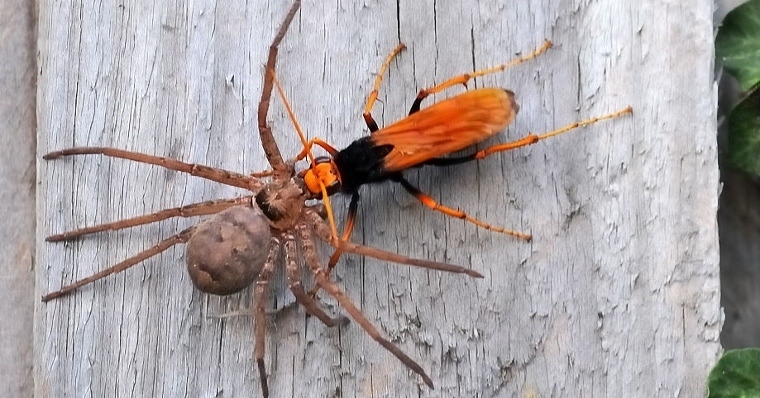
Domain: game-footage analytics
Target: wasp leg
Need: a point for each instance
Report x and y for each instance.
(371, 124)
(529, 139)
(347, 230)
(432, 204)
(465, 77)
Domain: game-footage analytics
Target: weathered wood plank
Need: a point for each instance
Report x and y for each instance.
(617, 293)
(17, 195)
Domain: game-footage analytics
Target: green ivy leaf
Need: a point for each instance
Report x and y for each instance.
(738, 44)
(744, 134)
(737, 374)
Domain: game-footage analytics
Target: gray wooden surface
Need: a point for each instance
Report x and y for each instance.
(618, 294)
(17, 195)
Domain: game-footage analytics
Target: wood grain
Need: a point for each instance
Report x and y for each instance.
(618, 292)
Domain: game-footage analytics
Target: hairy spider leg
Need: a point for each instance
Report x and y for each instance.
(323, 231)
(268, 143)
(260, 301)
(296, 285)
(204, 208)
(261, 298)
(322, 279)
(162, 246)
(210, 173)
(191, 210)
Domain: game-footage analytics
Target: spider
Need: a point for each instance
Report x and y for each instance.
(247, 236)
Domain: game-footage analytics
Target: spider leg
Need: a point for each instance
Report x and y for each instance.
(210, 173)
(323, 231)
(296, 286)
(312, 261)
(191, 210)
(262, 174)
(260, 301)
(265, 132)
(181, 237)
(319, 209)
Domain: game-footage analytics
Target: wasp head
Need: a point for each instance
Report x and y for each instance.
(323, 172)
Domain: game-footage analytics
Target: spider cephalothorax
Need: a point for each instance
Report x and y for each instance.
(282, 201)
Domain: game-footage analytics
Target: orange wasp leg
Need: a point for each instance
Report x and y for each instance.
(347, 230)
(533, 138)
(466, 77)
(371, 124)
(432, 204)
(424, 93)
(529, 139)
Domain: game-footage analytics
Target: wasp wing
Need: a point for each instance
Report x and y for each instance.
(445, 127)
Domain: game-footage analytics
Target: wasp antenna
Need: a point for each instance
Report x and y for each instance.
(292, 115)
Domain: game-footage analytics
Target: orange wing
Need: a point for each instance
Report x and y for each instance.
(447, 126)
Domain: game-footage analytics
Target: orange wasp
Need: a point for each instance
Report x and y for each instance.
(422, 138)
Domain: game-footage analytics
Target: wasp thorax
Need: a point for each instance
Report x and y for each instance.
(227, 251)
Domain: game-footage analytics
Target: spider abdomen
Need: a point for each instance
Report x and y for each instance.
(227, 251)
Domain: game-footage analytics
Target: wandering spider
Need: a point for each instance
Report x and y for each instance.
(246, 237)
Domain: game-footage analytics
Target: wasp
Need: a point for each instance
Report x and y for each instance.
(425, 137)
